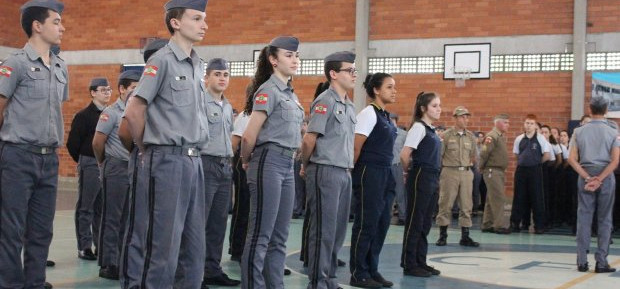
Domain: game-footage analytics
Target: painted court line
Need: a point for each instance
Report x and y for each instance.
(583, 278)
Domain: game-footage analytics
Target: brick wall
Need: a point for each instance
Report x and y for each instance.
(13, 36)
(604, 15)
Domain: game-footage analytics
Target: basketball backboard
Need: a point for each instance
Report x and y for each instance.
(472, 59)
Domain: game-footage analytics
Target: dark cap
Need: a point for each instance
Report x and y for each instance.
(341, 56)
(599, 101)
(152, 47)
(200, 5)
(133, 75)
(99, 81)
(502, 116)
(285, 42)
(217, 64)
(460, 110)
(49, 4)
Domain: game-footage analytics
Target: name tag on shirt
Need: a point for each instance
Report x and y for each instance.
(180, 78)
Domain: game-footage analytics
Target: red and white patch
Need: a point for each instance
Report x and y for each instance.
(104, 117)
(320, 109)
(261, 98)
(150, 70)
(6, 71)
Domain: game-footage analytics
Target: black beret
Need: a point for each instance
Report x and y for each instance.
(99, 81)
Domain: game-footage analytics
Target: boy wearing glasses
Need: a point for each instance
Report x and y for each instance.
(79, 145)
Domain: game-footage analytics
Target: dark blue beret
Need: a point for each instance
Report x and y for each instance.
(152, 47)
(49, 4)
(285, 42)
(342, 56)
(217, 64)
(99, 81)
(133, 75)
(200, 5)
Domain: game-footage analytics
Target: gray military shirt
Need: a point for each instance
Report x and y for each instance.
(220, 118)
(172, 85)
(284, 114)
(399, 143)
(594, 141)
(35, 94)
(109, 121)
(334, 121)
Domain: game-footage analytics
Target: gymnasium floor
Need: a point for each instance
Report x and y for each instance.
(521, 260)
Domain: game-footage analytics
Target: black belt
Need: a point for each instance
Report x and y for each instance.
(289, 152)
(42, 150)
(218, 160)
(177, 150)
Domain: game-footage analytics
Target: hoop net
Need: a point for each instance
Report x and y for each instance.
(461, 74)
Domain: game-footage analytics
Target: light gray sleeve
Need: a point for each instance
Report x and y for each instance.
(152, 79)
(107, 121)
(319, 114)
(265, 100)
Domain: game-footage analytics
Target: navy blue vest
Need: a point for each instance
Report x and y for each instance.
(377, 150)
(530, 152)
(428, 153)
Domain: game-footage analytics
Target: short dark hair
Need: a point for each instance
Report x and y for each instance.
(175, 13)
(598, 108)
(33, 14)
(124, 82)
(92, 88)
(332, 65)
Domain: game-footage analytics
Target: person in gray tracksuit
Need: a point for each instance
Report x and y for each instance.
(594, 153)
(216, 161)
(268, 147)
(112, 158)
(168, 122)
(33, 86)
(327, 155)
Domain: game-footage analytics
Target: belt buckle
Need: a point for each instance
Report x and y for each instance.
(192, 152)
(44, 151)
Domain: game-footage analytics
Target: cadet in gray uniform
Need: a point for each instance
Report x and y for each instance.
(397, 170)
(33, 85)
(271, 139)
(112, 158)
(168, 122)
(216, 162)
(594, 156)
(327, 155)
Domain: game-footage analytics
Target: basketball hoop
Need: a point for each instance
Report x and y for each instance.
(461, 74)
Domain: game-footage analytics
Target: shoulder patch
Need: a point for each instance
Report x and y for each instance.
(320, 109)
(150, 70)
(104, 117)
(261, 98)
(6, 71)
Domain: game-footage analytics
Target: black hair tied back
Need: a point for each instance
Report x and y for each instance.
(374, 81)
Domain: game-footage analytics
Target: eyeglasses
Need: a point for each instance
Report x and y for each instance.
(105, 90)
(350, 70)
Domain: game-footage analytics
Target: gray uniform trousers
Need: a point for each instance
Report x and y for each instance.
(88, 207)
(165, 239)
(397, 171)
(218, 180)
(329, 199)
(28, 183)
(272, 194)
(602, 201)
(115, 189)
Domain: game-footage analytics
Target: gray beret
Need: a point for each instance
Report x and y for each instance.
(285, 42)
(342, 56)
(49, 4)
(99, 81)
(200, 5)
(599, 101)
(133, 75)
(152, 47)
(217, 64)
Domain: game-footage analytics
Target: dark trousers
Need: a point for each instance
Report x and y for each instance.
(528, 192)
(115, 188)
(373, 188)
(241, 210)
(300, 191)
(28, 184)
(89, 204)
(422, 197)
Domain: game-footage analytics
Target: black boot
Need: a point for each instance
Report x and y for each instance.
(466, 240)
(443, 236)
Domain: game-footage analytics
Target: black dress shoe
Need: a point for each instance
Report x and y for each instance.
(468, 242)
(340, 263)
(50, 263)
(605, 269)
(488, 230)
(87, 255)
(287, 272)
(221, 280)
(380, 279)
(47, 285)
(417, 272)
(109, 272)
(502, 231)
(431, 269)
(583, 267)
(441, 241)
(365, 283)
